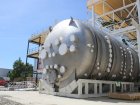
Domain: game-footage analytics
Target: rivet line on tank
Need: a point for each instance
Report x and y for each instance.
(110, 53)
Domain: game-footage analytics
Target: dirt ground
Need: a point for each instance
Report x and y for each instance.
(34, 98)
(4, 101)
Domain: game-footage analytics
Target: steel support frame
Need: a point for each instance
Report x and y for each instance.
(80, 83)
(98, 86)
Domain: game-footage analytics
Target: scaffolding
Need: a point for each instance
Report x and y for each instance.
(37, 41)
(118, 17)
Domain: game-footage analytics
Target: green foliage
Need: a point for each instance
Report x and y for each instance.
(20, 71)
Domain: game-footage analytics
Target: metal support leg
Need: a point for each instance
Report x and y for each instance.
(122, 87)
(80, 89)
(125, 87)
(114, 87)
(133, 88)
(130, 87)
(95, 88)
(111, 88)
(86, 88)
(100, 88)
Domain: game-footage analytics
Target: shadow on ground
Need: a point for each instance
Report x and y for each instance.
(109, 100)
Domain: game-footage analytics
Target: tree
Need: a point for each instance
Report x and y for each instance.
(20, 71)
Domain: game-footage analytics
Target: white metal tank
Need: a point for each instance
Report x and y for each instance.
(74, 50)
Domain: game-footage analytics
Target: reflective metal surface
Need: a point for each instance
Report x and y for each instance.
(74, 49)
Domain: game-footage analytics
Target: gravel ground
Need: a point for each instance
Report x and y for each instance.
(4, 101)
(34, 98)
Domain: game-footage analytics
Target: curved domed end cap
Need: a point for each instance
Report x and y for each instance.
(50, 55)
(73, 38)
(47, 45)
(43, 54)
(63, 49)
(41, 48)
(59, 76)
(44, 71)
(47, 67)
(62, 69)
(57, 42)
(89, 45)
(72, 48)
(55, 66)
(51, 66)
(53, 54)
(61, 38)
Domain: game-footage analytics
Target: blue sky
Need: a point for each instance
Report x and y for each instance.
(19, 19)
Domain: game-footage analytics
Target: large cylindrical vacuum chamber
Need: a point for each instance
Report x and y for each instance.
(75, 50)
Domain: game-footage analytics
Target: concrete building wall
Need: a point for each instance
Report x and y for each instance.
(4, 72)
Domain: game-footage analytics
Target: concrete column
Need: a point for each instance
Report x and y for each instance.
(80, 89)
(111, 88)
(100, 88)
(95, 88)
(86, 88)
